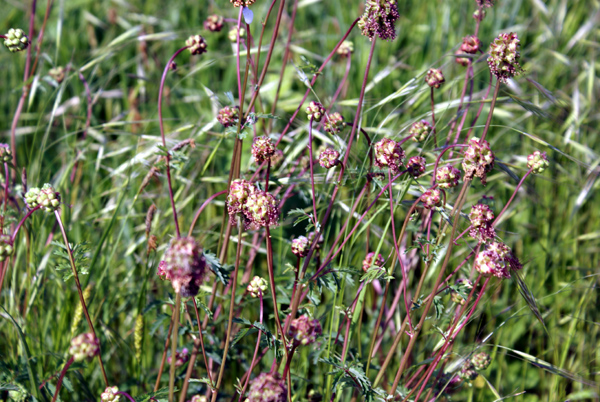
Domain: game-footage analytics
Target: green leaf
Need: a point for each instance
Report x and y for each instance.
(215, 265)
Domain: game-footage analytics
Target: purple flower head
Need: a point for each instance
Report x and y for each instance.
(434, 78)
(262, 149)
(504, 56)
(447, 176)
(471, 44)
(485, 3)
(478, 160)
(304, 331)
(228, 116)
(468, 372)
(181, 357)
(379, 19)
(267, 387)
(213, 23)
(334, 123)
(432, 198)
(388, 153)
(300, 246)
(84, 347)
(329, 158)
(372, 260)
(416, 166)
(186, 266)
(162, 272)
(196, 44)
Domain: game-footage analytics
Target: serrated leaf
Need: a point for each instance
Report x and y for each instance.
(215, 265)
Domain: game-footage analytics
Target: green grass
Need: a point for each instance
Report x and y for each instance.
(553, 226)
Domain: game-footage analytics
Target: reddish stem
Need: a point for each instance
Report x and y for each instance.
(61, 377)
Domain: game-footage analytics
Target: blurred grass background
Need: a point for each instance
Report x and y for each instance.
(554, 226)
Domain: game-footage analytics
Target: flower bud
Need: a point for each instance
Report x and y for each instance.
(379, 19)
(434, 78)
(388, 153)
(305, 331)
(57, 73)
(257, 286)
(481, 361)
(346, 49)
(419, 130)
(213, 23)
(267, 387)
(329, 158)
(110, 395)
(432, 198)
(372, 261)
(504, 56)
(447, 176)
(16, 40)
(196, 44)
(185, 265)
(537, 162)
(463, 61)
(6, 246)
(242, 3)
(416, 166)
(262, 209)
(334, 123)
(315, 111)
(300, 246)
(228, 116)
(233, 33)
(198, 398)
(478, 159)
(468, 372)
(485, 3)
(84, 347)
(262, 149)
(162, 272)
(47, 198)
(320, 241)
(471, 44)
(479, 15)
(181, 357)
(5, 153)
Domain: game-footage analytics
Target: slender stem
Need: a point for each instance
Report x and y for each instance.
(312, 173)
(174, 338)
(164, 356)
(491, 112)
(433, 119)
(204, 204)
(260, 320)
(511, 197)
(162, 135)
(201, 337)
(6, 185)
(237, 56)
(80, 291)
(126, 395)
(61, 377)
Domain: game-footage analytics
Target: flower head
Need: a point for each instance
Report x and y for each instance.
(185, 265)
(84, 347)
(228, 116)
(478, 160)
(262, 149)
(110, 395)
(346, 49)
(388, 153)
(181, 357)
(257, 286)
(432, 198)
(372, 260)
(482, 217)
(300, 246)
(320, 240)
(261, 209)
(46, 198)
(459, 59)
(479, 15)
(481, 361)
(434, 78)
(196, 44)
(419, 130)
(504, 56)
(5, 153)
(239, 191)
(213, 23)
(416, 166)
(468, 372)
(16, 40)
(233, 34)
(242, 3)
(485, 3)
(471, 44)
(198, 398)
(447, 176)
(334, 123)
(57, 74)
(497, 260)
(267, 387)
(315, 111)
(305, 331)
(537, 162)
(329, 158)
(379, 19)
(6, 246)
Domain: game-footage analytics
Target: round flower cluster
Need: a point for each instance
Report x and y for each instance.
(315, 111)
(464, 285)
(84, 346)
(388, 153)
(242, 3)
(481, 217)
(46, 198)
(228, 116)
(537, 162)
(504, 56)
(463, 61)
(262, 149)
(447, 176)
(257, 286)
(304, 331)
(372, 260)
(496, 260)
(379, 19)
(479, 15)
(485, 3)
(320, 240)
(181, 357)
(432, 198)
(214, 23)
(434, 78)
(233, 33)
(6, 246)
(471, 44)
(198, 398)
(478, 160)
(468, 372)
(5, 153)
(57, 73)
(267, 387)
(110, 395)
(334, 123)
(419, 130)
(416, 166)
(262, 210)
(329, 158)
(346, 49)
(239, 191)
(300, 246)
(196, 44)
(481, 361)
(16, 40)
(185, 266)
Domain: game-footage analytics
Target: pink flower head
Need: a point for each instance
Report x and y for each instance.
(388, 153)
(196, 44)
(329, 158)
(262, 210)
(372, 260)
(379, 19)
(228, 116)
(470, 45)
(162, 272)
(181, 357)
(262, 149)
(504, 56)
(315, 111)
(463, 61)
(478, 160)
(481, 217)
(447, 176)
(432, 198)
(239, 191)
(334, 123)
(434, 78)
(420, 130)
(267, 387)
(185, 265)
(84, 347)
(537, 162)
(305, 331)
(416, 166)
(214, 23)
(300, 246)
